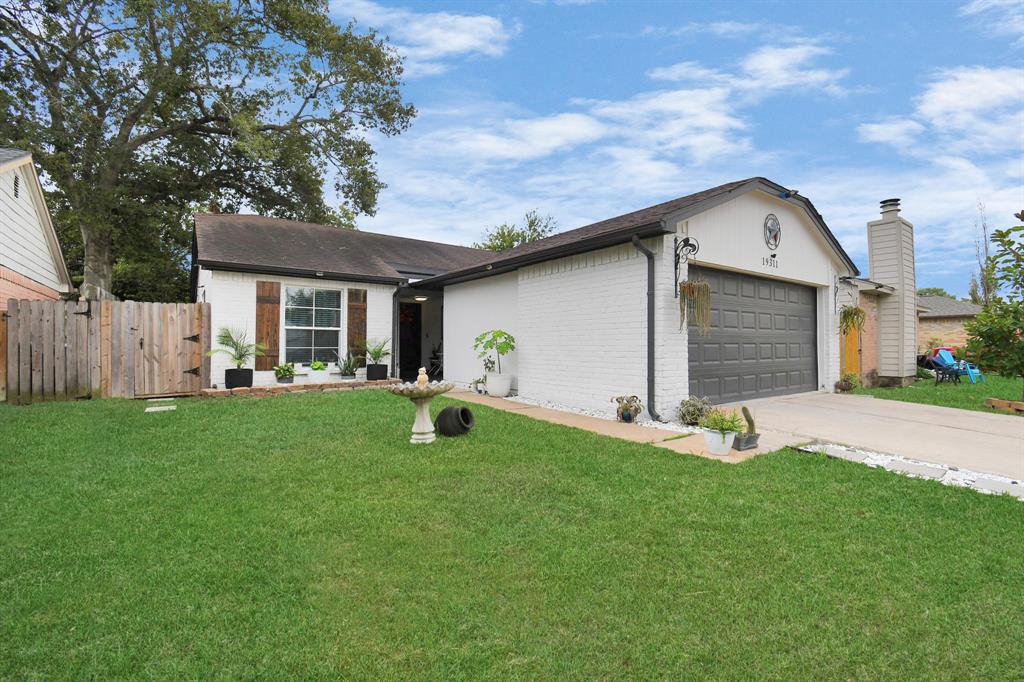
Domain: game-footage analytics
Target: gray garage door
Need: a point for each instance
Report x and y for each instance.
(762, 339)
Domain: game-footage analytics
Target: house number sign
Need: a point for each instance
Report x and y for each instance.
(772, 237)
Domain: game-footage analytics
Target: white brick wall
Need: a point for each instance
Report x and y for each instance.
(232, 299)
(582, 328)
(472, 308)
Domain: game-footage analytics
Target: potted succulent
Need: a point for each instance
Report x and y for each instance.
(318, 373)
(236, 344)
(720, 429)
(500, 343)
(349, 366)
(285, 373)
(748, 439)
(693, 409)
(629, 408)
(376, 353)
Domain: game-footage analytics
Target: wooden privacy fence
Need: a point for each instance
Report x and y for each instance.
(64, 350)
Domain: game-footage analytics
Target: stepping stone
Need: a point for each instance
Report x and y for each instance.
(1015, 489)
(159, 400)
(843, 453)
(915, 470)
(162, 408)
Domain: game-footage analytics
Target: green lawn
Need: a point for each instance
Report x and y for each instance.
(302, 536)
(965, 395)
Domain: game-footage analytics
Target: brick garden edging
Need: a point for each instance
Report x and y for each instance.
(276, 389)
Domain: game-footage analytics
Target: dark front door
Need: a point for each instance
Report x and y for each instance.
(762, 340)
(410, 333)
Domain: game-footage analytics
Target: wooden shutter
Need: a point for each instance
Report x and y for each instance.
(357, 322)
(268, 323)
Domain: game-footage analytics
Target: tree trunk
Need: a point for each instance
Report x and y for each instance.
(98, 263)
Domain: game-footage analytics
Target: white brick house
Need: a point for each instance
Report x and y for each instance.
(587, 324)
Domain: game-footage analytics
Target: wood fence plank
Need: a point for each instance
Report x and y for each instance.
(24, 353)
(37, 350)
(129, 348)
(105, 328)
(13, 320)
(92, 375)
(71, 336)
(116, 338)
(137, 349)
(185, 321)
(206, 337)
(59, 351)
(46, 339)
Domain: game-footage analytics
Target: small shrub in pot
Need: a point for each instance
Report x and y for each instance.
(629, 408)
(236, 345)
(285, 373)
(720, 429)
(376, 353)
(693, 409)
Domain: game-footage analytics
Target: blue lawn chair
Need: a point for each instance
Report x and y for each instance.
(973, 373)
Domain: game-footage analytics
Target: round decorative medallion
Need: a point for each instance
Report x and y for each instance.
(772, 231)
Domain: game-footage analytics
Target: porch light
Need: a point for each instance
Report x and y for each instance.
(420, 299)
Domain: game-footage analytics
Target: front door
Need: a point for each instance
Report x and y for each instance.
(410, 349)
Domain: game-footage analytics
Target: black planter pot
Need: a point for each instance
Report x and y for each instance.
(376, 372)
(237, 378)
(454, 421)
(745, 441)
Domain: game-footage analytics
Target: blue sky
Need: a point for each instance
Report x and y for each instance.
(586, 110)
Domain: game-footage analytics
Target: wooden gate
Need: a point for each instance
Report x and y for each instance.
(850, 352)
(58, 350)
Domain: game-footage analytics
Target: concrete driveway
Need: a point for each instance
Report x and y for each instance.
(980, 441)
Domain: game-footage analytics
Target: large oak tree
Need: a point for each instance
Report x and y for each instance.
(138, 111)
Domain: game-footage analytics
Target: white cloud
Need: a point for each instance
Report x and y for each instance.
(721, 29)
(970, 111)
(428, 39)
(515, 139)
(764, 71)
(998, 17)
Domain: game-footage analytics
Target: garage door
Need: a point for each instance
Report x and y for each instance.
(762, 339)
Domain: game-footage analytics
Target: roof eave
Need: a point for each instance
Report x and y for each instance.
(298, 272)
(571, 249)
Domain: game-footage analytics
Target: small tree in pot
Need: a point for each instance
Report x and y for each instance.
(376, 353)
(236, 344)
(496, 343)
(349, 366)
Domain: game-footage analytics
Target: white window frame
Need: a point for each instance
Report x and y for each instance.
(285, 327)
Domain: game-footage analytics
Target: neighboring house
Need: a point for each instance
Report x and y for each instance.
(884, 352)
(940, 321)
(588, 324)
(31, 262)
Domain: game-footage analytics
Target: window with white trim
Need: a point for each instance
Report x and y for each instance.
(312, 324)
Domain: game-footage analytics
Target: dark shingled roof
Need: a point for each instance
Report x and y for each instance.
(257, 244)
(620, 229)
(8, 154)
(940, 306)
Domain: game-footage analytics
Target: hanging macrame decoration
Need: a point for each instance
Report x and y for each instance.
(695, 304)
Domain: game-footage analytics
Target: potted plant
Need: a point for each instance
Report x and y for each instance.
(720, 429)
(693, 409)
(236, 344)
(500, 343)
(318, 373)
(376, 353)
(748, 439)
(285, 373)
(349, 366)
(629, 408)
(847, 382)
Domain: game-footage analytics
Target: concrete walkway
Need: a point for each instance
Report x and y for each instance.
(662, 438)
(979, 441)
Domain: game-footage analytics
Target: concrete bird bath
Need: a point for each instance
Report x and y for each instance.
(421, 392)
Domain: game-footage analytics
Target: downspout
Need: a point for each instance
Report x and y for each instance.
(650, 326)
(394, 331)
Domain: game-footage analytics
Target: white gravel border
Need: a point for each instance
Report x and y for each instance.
(607, 415)
(947, 475)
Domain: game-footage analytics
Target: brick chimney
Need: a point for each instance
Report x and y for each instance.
(891, 257)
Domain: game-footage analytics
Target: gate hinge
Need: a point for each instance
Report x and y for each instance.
(194, 370)
(194, 338)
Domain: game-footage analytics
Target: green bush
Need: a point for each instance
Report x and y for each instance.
(693, 409)
(720, 420)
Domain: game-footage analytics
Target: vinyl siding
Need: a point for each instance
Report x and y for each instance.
(23, 244)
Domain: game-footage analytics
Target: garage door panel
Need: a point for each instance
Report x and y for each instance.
(761, 342)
